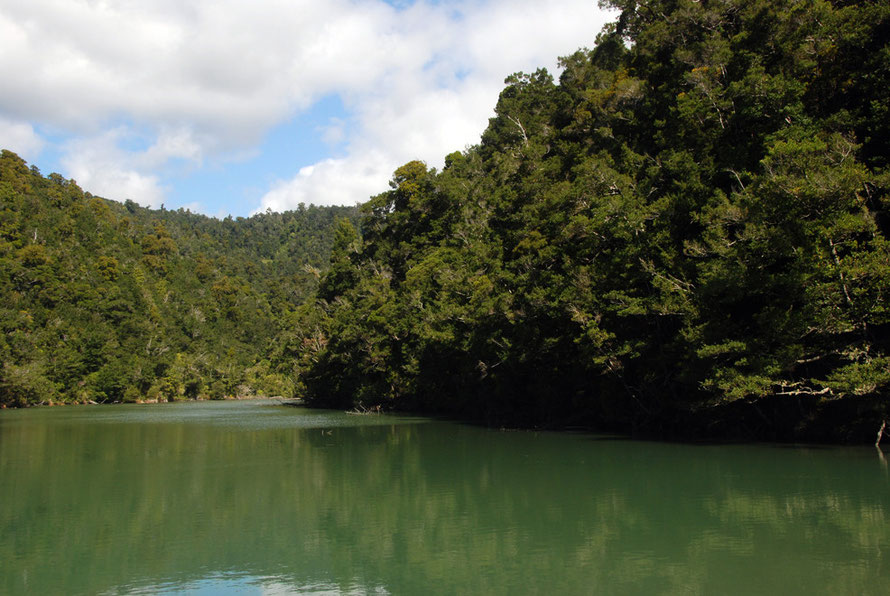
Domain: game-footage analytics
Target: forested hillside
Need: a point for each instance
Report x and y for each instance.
(686, 234)
(103, 301)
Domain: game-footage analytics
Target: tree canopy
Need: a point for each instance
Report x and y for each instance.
(685, 234)
(105, 301)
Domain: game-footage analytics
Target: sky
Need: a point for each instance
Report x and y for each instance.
(233, 107)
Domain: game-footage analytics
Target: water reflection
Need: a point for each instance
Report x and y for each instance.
(234, 583)
(249, 498)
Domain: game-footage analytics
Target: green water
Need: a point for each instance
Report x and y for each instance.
(257, 498)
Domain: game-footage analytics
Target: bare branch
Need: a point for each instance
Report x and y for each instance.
(521, 128)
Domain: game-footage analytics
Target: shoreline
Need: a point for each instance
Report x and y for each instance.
(54, 404)
(828, 423)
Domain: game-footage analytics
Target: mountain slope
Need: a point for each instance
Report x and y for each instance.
(105, 301)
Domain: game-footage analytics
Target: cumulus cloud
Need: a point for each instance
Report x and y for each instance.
(204, 81)
(98, 164)
(173, 143)
(20, 138)
(332, 182)
(437, 97)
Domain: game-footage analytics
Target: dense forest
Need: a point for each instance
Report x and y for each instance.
(105, 302)
(686, 234)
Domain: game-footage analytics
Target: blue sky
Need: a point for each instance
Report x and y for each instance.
(227, 107)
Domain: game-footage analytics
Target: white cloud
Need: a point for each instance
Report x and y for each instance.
(20, 138)
(437, 97)
(179, 143)
(204, 81)
(98, 164)
(334, 132)
(230, 69)
(332, 182)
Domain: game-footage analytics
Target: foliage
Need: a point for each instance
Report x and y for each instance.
(692, 220)
(112, 302)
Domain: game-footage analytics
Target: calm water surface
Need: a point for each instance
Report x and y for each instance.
(258, 498)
